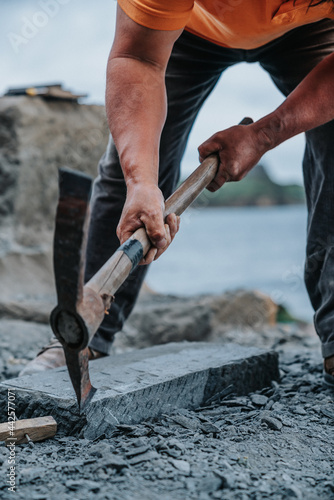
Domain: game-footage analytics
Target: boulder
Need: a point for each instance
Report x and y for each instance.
(159, 319)
(244, 308)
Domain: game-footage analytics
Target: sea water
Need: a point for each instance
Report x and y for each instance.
(219, 249)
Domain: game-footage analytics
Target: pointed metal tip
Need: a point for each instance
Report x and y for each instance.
(85, 401)
(77, 365)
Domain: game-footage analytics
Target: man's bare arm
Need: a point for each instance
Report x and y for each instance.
(136, 109)
(240, 148)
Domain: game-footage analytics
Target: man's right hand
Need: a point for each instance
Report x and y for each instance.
(144, 207)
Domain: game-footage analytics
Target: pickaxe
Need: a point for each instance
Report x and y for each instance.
(81, 308)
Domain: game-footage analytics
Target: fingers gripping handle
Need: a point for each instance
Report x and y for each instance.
(192, 187)
(115, 271)
(133, 249)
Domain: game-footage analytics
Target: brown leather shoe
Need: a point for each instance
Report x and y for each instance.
(329, 371)
(52, 356)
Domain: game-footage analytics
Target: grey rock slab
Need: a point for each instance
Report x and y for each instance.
(137, 451)
(82, 483)
(139, 385)
(187, 423)
(181, 465)
(113, 461)
(209, 427)
(144, 457)
(272, 423)
(259, 400)
(299, 410)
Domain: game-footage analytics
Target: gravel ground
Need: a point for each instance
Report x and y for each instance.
(275, 444)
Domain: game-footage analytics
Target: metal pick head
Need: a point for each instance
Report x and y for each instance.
(70, 236)
(67, 325)
(69, 260)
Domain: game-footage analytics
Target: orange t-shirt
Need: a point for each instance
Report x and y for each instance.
(243, 24)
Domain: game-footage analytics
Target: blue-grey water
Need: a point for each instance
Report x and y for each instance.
(219, 249)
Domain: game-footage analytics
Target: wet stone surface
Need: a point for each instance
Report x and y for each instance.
(276, 443)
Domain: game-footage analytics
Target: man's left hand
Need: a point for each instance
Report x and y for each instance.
(239, 150)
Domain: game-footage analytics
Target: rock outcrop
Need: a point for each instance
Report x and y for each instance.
(36, 138)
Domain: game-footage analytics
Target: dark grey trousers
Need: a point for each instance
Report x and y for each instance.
(193, 71)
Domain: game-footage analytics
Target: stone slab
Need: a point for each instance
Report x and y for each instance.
(140, 385)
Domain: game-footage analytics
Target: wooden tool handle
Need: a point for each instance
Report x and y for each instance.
(37, 429)
(115, 271)
(192, 187)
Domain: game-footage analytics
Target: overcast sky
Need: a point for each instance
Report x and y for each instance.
(68, 41)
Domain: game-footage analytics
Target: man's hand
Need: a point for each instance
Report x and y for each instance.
(144, 207)
(239, 149)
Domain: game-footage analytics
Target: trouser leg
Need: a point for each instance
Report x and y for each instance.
(191, 75)
(108, 198)
(319, 269)
(288, 63)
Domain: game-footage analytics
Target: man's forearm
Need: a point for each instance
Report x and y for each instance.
(310, 105)
(240, 148)
(136, 111)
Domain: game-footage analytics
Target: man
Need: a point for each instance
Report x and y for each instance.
(166, 58)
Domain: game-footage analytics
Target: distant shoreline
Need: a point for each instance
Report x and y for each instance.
(257, 189)
(250, 205)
